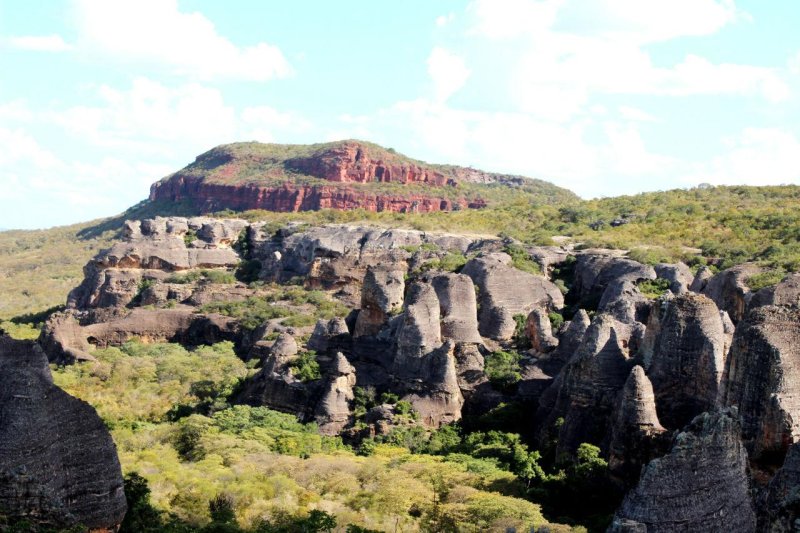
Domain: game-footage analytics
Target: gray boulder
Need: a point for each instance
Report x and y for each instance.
(458, 307)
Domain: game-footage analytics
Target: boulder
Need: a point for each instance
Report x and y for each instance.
(505, 291)
(685, 357)
(701, 485)
(458, 307)
(762, 378)
(786, 293)
(594, 271)
(701, 279)
(679, 276)
(58, 465)
(63, 340)
(729, 289)
(329, 335)
(419, 331)
(381, 296)
(540, 332)
(333, 410)
(623, 300)
(435, 393)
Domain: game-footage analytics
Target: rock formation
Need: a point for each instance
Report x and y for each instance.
(458, 307)
(762, 378)
(595, 270)
(505, 291)
(333, 410)
(729, 289)
(684, 352)
(779, 504)
(58, 464)
(381, 296)
(701, 485)
(636, 435)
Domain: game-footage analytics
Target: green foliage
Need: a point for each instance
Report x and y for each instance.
(521, 259)
(189, 237)
(765, 279)
(203, 274)
(305, 367)
(503, 370)
(556, 320)
(403, 407)
(521, 340)
(509, 450)
(21, 331)
(653, 288)
(221, 509)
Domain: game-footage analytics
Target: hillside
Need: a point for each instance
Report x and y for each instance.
(339, 175)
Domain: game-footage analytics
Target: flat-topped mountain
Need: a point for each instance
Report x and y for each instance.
(339, 175)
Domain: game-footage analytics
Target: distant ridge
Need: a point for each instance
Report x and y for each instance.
(345, 175)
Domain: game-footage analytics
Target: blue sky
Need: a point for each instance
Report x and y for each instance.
(100, 98)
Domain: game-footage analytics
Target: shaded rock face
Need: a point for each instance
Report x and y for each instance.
(729, 289)
(779, 505)
(685, 357)
(505, 291)
(701, 485)
(333, 409)
(58, 464)
(762, 378)
(329, 335)
(540, 332)
(701, 279)
(435, 393)
(587, 389)
(623, 300)
(637, 436)
(420, 332)
(381, 296)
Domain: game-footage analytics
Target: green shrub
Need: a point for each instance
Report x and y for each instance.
(521, 259)
(556, 320)
(503, 370)
(305, 367)
(653, 288)
(765, 279)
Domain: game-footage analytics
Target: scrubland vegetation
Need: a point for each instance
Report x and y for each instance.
(193, 462)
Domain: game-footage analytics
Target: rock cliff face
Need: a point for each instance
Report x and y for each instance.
(701, 485)
(762, 379)
(340, 175)
(685, 357)
(58, 465)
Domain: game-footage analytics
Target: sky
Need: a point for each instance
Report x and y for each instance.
(100, 98)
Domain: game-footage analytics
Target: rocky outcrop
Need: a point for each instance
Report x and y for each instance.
(701, 485)
(338, 175)
(596, 270)
(623, 300)
(539, 332)
(329, 335)
(636, 435)
(729, 289)
(381, 296)
(701, 279)
(762, 378)
(420, 332)
(684, 357)
(679, 275)
(435, 393)
(588, 387)
(458, 307)
(333, 410)
(58, 464)
(504, 291)
(149, 250)
(786, 293)
(66, 341)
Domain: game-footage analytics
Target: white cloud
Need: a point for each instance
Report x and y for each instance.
(40, 43)
(267, 124)
(19, 147)
(756, 156)
(155, 31)
(150, 116)
(635, 114)
(504, 19)
(444, 20)
(447, 71)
